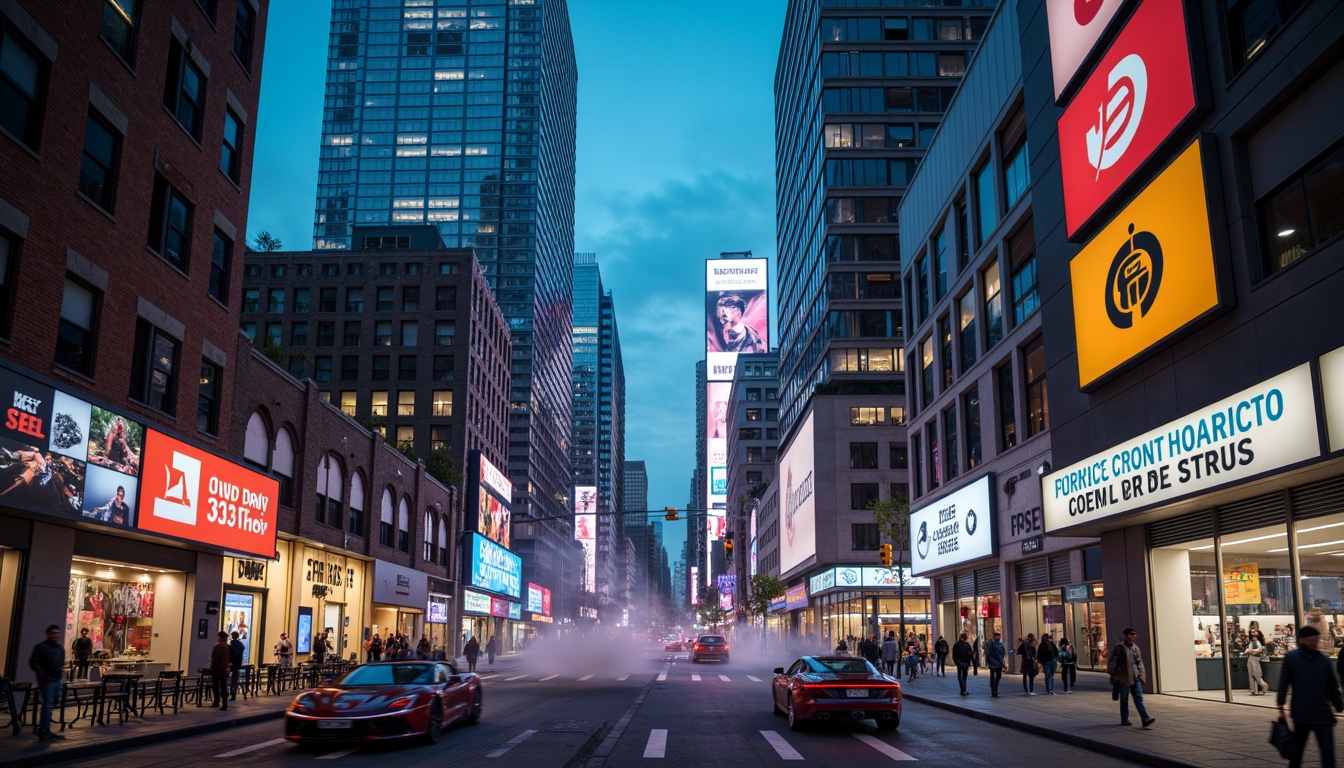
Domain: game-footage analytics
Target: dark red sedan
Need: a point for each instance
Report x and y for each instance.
(397, 700)
(829, 688)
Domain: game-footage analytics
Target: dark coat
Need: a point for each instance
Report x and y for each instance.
(940, 647)
(472, 649)
(236, 649)
(1047, 651)
(47, 661)
(83, 648)
(219, 659)
(1315, 687)
(962, 653)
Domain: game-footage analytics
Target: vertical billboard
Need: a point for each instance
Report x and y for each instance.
(585, 530)
(1075, 27)
(727, 583)
(798, 539)
(489, 493)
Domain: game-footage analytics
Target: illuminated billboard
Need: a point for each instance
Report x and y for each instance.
(585, 530)
(727, 584)
(798, 516)
(737, 313)
(716, 452)
(492, 567)
(489, 493)
(1075, 27)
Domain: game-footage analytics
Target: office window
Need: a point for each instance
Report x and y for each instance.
(950, 442)
(926, 372)
(302, 296)
(1251, 24)
(410, 333)
(406, 368)
(917, 471)
(1038, 407)
(273, 334)
(862, 494)
(986, 209)
(406, 402)
(120, 18)
(410, 298)
(298, 335)
(250, 329)
(23, 75)
(993, 292)
(970, 404)
(170, 225)
(207, 399)
(378, 403)
(1022, 257)
(863, 455)
(382, 368)
(897, 415)
(442, 402)
(386, 268)
(231, 153)
(350, 338)
(354, 299)
(867, 416)
(753, 395)
(278, 270)
(298, 367)
(935, 458)
(243, 30)
(382, 333)
(945, 352)
(221, 265)
(940, 264)
(331, 270)
(154, 368)
(326, 300)
(384, 299)
(275, 301)
(1304, 212)
(326, 334)
(405, 436)
(898, 456)
(753, 414)
(98, 168)
(184, 92)
(963, 236)
(349, 402)
(445, 298)
(966, 329)
(865, 537)
(1007, 409)
(75, 334)
(443, 368)
(922, 285)
(951, 64)
(354, 269)
(349, 367)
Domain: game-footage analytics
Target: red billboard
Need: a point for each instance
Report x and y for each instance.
(1136, 97)
(195, 495)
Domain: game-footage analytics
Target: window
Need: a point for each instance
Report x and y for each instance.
(963, 236)
(1038, 408)
(867, 416)
(221, 259)
(207, 399)
(349, 367)
(170, 225)
(322, 369)
(382, 367)
(326, 300)
(403, 520)
(326, 334)
(98, 169)
(862, 494)
(863, 455)
(1016, 171)
(1305, 212)
(1007, 410)
(384, 299)
(442, 402)
(330, 486)
(410, 298)
(354, 299)
(298, 335)
(231, 154)
(950, 442)
(1022, 256)
(443, 368)
(922, 285)
(940, 263)
(208, 6)
(354, 269)
(119, 22)
(406, 402)
(250, 329)
(865, 536)
(444, 332)
(378, 403)
(382, 333)
(351, 336)
(184, 92)
(898, 415)
(945, 352)
(154, 368)
(935, 456)
(273, 334)
(951, 64)
(989, 280)
(985, 206)
(966, 329)
(243, 30)
(22, 76)
(926, 372)
(275, 301)
(355, 520)
(970, 404)
(917, 471)
(302, 296)
(410, 333)
(406, 368)
(75, 334)
(445, 298)
(1251, 24)
(385, 520)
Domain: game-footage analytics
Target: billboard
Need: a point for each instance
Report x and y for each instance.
(695, 584)
(475, 602)
(798, 539)
(716, 451)
(490, 494)
(1075, 27)
(727, 583)
(492, 567)
(852, 576)
(585, 530)
(737, 313)
(957, 528)
(538, 599)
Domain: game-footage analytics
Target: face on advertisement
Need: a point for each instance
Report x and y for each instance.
(734, 332)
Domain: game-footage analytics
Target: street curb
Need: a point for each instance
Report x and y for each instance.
(131, 742)
(593, 754)
(594, 739)
(1093, 745)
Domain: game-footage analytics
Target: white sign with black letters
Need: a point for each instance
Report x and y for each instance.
(957, 528)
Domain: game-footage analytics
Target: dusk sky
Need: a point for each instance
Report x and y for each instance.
(675, 164)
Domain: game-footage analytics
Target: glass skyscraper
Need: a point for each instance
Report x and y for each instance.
(461, 114)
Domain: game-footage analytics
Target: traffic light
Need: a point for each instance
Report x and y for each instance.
(671, 514)
(884, 552)
(728, 547)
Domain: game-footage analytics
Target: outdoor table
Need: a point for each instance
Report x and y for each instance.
(86, 698)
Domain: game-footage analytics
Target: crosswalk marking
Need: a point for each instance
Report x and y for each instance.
(487, 677)
(511, 679)
(725, 678)
(657, 746)
(781, 746)
(695, 678)
(621, 678)
(753, 678)
(252, 748)
(511, 743)
(883, 747)
(585, 677)
(552, 677)
(339, 755)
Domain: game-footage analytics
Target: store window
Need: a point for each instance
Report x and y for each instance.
(116, 602)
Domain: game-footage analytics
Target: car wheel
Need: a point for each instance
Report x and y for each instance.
(435, 728)
(888, 725)
(795, 723)
(474, 716)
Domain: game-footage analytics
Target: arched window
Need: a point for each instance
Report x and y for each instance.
(385, 524)
(330, 483)
(443, 540)
(404, 525)
(431, 552)
(356, 522)
(282, 464)
(257, 448)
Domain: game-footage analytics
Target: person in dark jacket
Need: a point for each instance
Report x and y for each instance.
(961, 656)
(219, 671)
(47, 662)
(1125, 666)
(871, 651)
(995, 657)
(890, 651)
(472, 652)
(940, 654)
(83, 651)
(1027, 650)
(1068, 665)
(1048, 655)
(1315, 690)
(236, 651)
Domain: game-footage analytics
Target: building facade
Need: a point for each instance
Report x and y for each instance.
(753, 440)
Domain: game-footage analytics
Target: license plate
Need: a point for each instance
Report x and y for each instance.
(856, 693)
(333, 725)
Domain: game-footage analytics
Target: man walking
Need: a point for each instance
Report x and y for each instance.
(83, 650)
(236, 650)
(1125, 667)
(1048, 655)
(890, 650)
(872, 651)
(219, 671)
(48, 662)
(995, 655)
(1315, 690)
(961, 656)
(940, 654)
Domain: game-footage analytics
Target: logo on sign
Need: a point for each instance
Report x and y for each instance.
(922, 542)
(1118, 117)
(178, 501)
(1134, 278)
(970, 522)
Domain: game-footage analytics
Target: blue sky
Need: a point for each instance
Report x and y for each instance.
(675, 164)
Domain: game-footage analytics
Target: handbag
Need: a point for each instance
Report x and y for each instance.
(1281, 736)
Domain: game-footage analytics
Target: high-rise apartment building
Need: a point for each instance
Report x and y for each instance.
(462, 115)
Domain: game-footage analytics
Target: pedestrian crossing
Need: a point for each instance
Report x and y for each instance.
(663, 677)
(660, 742)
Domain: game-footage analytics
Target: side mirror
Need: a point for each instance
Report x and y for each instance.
(779, 670)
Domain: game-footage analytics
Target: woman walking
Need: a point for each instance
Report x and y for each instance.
(473, 652)
(1254, 651)
(1068, 665)
(1027, 650)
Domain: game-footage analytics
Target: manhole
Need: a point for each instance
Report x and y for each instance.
(563, 726)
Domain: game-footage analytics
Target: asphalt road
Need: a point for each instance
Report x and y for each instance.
(545, 713)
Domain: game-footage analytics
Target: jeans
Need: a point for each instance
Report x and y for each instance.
(220, 684)
(890, 666)
(995, 675)
(962, 670)
(51, 693)
(1049, 668)
(1325, 737)
(1069, 674)
(942, 664)
(233, 684)
(82, 668)
(1135, 690)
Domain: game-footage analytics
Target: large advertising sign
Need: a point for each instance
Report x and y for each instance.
(195, 495)
(1148, 273)
(1075, 27)
(475, 602)
(695, 584)
(737, 313)
(585, 530)
(716, 454)
(490, 494)
(854, 576)
(798, 539)
(492, 567)
(727, 583)
(955, 529)
(538, 599)
(239, 610)
(1257, 430)
(1332, 382)
(1139, 94)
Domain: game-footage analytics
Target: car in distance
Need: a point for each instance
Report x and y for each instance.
(709, 647)
(673, 645)
(827, 688)
(375, 702)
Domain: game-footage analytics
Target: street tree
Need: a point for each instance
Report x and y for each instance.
(708, 609)
(762, 590)
(893, 524)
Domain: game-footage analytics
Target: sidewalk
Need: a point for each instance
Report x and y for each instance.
(1188, 732)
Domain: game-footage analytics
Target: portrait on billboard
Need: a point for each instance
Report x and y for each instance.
(115, 442)
(737, 321)
(493, 518)
(109, 497)
(716, 409)
(43, 480)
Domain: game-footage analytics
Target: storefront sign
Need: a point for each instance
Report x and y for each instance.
(1033, 545)
(1075, 26)
(516, 611)
(1148, 273)
(854, 577)
(795, 597)
(437, 613)
(798, 537)
(537, 617)
(1241, 583)
(538, 599)
(1077, 593)
(492, 567)
(195, 495)
(957, 528)
(250, 570)
(1257, 430)
(777, 604)
(1140, 92)
(1332, 382)
(398, 585)
(475, 602)
(1052, 614)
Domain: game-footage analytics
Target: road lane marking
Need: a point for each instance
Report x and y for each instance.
(511, 743)
(883, 747)
(781, 746)
(585, 677)
(621, 678)
(252, 748)
(662, 676)
(753, 678)
(511, 679)
(695, 678)
(552, 677)
(725, 678)
(487, 677)
(657, 745)
(339, 755)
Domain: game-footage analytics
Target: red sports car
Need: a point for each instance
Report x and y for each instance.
(836, 688)
(396, 700)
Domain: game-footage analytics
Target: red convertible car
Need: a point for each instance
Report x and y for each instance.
(376, 702)
(831, 688)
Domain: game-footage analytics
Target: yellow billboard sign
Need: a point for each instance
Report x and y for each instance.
(1241, 583)
(1148, 273)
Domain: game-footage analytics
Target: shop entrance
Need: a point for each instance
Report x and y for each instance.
(333, 623)
(118, 603)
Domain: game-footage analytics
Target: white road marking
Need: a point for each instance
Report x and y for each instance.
(252, 748)
(695, 678)
(883, 747)
(585, 677)
(781, 746)
(753, 678)
(657, 745)
(551, 677)
(511, 679)
(662, 676)
(487, 677)
(725, 678)
(339, 755)
(621, 678)
(511, 743)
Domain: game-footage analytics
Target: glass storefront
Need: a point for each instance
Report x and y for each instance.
(977, 617)
(133, 614)
(331, 588)
(848, 615)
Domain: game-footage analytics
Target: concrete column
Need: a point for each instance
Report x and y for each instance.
(45, 590)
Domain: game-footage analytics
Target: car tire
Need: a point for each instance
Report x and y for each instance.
(474, 716)
(435, 728)
(795, 723)
(888, 725)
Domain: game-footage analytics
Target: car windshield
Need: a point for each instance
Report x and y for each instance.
(711, 639)
(390, 674)
(843, 666)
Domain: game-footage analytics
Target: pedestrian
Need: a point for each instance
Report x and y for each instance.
(1027, 651)
(472, 651)
(940, 651)
(320, 648)
(961, 656)
(912, 658)
(422, 648)
(376, 648)
(1315, 690)
(995, 656)
(219, 671)
(872, 651)
(491, 648)
(890, 650)
(284, 651)
(842, 647)
(1048, 657)
(48, 663)
(1068, 665)
(1254, 650)
(975, 655)
(1125, 666)
(236, 651)
(82, 649)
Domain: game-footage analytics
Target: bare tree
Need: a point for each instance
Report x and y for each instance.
(265, 242)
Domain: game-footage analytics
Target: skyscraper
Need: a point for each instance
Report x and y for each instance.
(461, 114)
